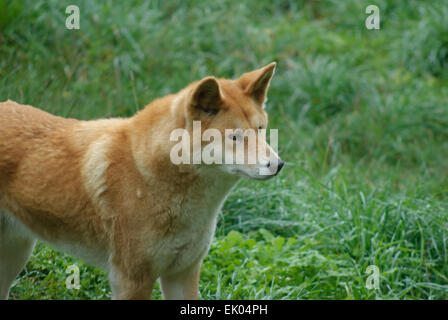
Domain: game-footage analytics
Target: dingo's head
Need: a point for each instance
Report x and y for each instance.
(232, 124)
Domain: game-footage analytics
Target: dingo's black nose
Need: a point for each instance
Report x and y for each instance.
(280, 165)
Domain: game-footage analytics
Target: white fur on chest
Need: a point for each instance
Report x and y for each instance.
(197, 218)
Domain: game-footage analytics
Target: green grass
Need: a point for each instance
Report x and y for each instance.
(363, 126)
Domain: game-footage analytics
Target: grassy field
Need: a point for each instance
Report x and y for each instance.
(362, 118)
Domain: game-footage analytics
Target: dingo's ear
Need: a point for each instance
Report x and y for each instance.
(256, 83)
(206, 96)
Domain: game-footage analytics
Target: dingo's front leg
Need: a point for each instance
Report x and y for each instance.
(130, 285)
(183, 285)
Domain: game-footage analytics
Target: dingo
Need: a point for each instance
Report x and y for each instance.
(106, 190)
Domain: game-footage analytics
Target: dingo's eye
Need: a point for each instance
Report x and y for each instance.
(235, 137)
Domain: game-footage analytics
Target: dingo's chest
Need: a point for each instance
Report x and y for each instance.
(195, 227)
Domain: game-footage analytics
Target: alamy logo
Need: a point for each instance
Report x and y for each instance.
(373, 281)
(240, 147)
(72, 281)
(72, 21)
(373, 20)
